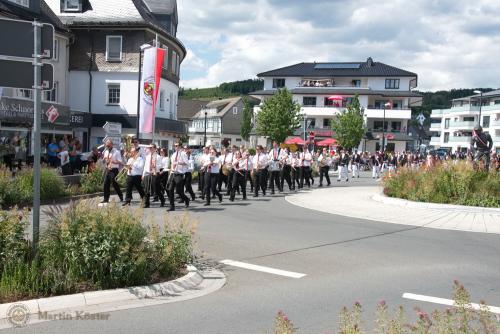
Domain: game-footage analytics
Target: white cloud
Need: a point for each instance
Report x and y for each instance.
(448, 43)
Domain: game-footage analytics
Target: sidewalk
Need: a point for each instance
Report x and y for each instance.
(369, 203)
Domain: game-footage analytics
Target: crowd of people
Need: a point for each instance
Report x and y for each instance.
(167, 178)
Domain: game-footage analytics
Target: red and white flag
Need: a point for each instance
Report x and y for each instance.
(150, 84)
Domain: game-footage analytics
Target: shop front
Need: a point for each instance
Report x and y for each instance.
(16, 127)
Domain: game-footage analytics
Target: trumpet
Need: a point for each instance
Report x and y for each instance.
(123, 173)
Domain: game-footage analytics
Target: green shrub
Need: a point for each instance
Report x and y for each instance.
(13, 245)
(454, 184)
(89, 248)
(19, 190)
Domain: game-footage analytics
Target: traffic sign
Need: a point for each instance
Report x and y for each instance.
(116, 140)
(311, 135)
(113, 129)
(17, 39)
(19, 74)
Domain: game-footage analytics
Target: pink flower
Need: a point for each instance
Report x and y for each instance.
(381, 302)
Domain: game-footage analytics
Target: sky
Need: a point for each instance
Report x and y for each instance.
(448, 43)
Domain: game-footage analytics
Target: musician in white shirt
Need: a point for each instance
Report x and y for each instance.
(135, 167)
(324, 161)
(164, 169)
(239, 175)
(274, 167)
(179, 166)
(112, 159)
(211, 164)
(189, 173)
(201, 172)
(306, 160)
(260, 162)
(152, 167)
(286, 169)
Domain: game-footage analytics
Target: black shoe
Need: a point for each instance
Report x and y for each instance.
(245, 198)
(121, 198)
(162, 204)
(231, 199)
(346, 180)
(193, 198)
(104, 202)
(187, 203)
(180, 202)
(255, 195)
(319, 186)
(206, 204)
(220, 198)
(312, 181)
(146, 206)
(272, 192)
(126, 204)
(170, 209)
(358, 176)
(338, 180)
(328, 184)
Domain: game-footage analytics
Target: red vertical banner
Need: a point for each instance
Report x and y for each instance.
(151, 79)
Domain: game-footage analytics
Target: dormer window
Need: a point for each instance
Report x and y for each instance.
(72, 5)
(24, 3)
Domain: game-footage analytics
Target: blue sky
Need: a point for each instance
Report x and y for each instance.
(448, 43)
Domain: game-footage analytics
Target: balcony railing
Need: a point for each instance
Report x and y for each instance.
(462, 139)
(327, 83)
(387, 130)
(436, 140)
(435, 126)
(462, 124)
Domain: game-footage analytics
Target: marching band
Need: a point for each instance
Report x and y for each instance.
(153, 173)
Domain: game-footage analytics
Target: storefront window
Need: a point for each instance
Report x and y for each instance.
(13, 147)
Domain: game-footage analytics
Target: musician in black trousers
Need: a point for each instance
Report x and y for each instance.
(259, 165)
(113, 159)
(285, 173)
(212, 164)
(135, 167)
(151, 178)
(179, 163)
(239, 176)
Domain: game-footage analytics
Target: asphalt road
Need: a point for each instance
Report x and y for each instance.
(345, 260)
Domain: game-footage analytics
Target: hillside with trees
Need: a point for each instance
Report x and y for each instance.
(226, 89)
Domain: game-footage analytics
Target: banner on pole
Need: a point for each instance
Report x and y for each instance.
(150, 86)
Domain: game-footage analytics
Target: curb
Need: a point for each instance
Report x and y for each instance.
(382, 198)
(191, 281)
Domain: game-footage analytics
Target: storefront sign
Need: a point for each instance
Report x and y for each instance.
(80, 120)
(113, 129)
(21, 111)
(52, 114)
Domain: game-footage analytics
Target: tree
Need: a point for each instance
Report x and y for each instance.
(348, 126)
(246, 120)
(279, 116)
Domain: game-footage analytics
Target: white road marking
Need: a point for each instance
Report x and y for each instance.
(449, 302)
(262, 269)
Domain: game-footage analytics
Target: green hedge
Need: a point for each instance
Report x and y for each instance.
(18, 190)
(448, 183)
(89, 248)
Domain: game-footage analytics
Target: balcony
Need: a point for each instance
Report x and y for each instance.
(437, 113)
(318, 132)
(389, 113)
(321, 111)
(329, 83)
(462, 140)
(465, 125)
(435, 127)
(435, 141)
(211, 130)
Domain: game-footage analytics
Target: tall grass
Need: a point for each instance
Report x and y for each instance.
(89, 248)
(446, 183)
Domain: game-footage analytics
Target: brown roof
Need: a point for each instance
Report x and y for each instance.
(222, 106)
(186, 109)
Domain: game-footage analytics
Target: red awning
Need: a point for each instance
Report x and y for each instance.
(335, 98)
(294, 140)
(327, 142)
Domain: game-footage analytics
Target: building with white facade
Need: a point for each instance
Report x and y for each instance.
(223, 122)
(312, 84)
(105, 54)
(452, 128)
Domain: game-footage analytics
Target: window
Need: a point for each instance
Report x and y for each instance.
(311, 122)
(174, 62)
(235, 110)
(51, 95)
(113, 48)
(178, 65)
(397, 104)
(446, 137)
(326, 122)
(486, 122)
(447, 123)
(497, 102)
(396, 126)
(165, 59)
(391, 83)
(356, 83)
(469, 119)
(380, 104)
(379, 125)
(72, 5)
(56, 49)
(113, 97)
(309, 101)
(24, 3)
(25, 93)
(278, 83)
(162, 101)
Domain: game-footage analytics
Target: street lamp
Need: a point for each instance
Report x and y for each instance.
(205, 135)
(141, 50)
(386, 105)
(480, 105)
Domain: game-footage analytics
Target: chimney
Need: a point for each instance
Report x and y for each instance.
(369, 62)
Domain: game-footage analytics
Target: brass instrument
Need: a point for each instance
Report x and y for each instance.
(225, 170)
